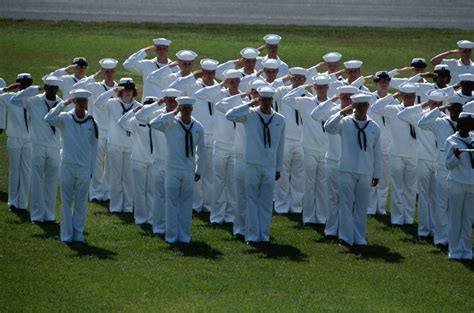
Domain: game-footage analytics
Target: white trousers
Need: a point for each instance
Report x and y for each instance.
(224, 200)
(241, 195)
(19, 172)
(143, 191)
(289, 188)
(260, 181)
(100, 188)
(315, 204)
(179, 185)
(202, 198)
(44, 182)
(354, 190)
(74, 182)
(121, 179)
(460, 202)
(427, 198)
(159, 207)
(332, 221)
(378, 194)
(403, 191)
(441, 218)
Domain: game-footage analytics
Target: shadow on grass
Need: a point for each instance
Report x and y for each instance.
(102, 204)
(23, 217)
(83, 249)
(197, 249)
(411, 230)
(372, 252)
(202, 216)
(125, 218)
(50, 231)
(277, 251)
(147, 230)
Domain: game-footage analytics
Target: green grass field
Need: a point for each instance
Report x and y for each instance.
(125, 268)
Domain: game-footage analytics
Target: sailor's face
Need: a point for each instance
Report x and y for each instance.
(443, 78)
(408, 98)
(81, 103)
(254, 93)
(353, 73)
(185, 66)
(272, 49)
(418, 70)
(127, 93)
(109, 73)
(80, 70)
(186, 111)
(332, 66)
(345, 99)
(361, 108)
(51, 90)
(383, 84)
(298, 80)
(466, 53)
(234, 83)
(208, 75)
(171, 103)
(455, 109)
(321, 88)
(270, 73)
(161, 50)
(249, 63)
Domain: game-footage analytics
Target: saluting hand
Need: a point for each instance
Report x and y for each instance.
(149, 48)
(12, 87)
(71, 68)
(198, 74)
(262, 47)
(347, 110)
(99, 73)
(174, 64)
(456, 152)
(138, 108)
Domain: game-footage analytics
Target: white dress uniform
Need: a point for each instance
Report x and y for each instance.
(224, 202)
(425, 171)
(360, 162)
(457, 67)
(67, 80)
(264, 137)
(137, 63)
(224, 106)
(145, 115)
(203, 111)
(379, 193)
(142, 165)
(273, 39)
(289, 189)
(442, 126)
(19, 152)
(461, 195)
(118, 152)
(45, 145)
(78, 155)
(403, 159)
(99, 188)
(315, 143)
(163, 77)
(185, 158)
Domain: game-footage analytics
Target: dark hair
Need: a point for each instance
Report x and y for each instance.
(135, 93)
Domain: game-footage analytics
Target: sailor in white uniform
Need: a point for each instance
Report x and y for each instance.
(45, 146)
(272, 42)
(78, 154)
(18, 145)
(78, 68)
(247, 64)
(460, 66)
(137, 63)
(315, 143)
(264, 130)
(116, 102)
(100, 189)
(460, 164)
(359, 166)
(185, 159)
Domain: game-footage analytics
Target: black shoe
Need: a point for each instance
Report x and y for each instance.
(330, 237)
(344, 243)
(51, 222)
(35, 222)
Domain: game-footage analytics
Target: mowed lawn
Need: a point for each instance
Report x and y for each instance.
(123, 267)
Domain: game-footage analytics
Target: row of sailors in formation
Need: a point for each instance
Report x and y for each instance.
(300, 140)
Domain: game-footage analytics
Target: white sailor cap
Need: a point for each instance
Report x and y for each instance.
(332, 57)
(465, 44)
(149, 99)
(418, 63)
(232, 74)
(266, 91)
(466, 115)
(209, 64)
(51, 81)
(185, 101)
(108, 63)
(456, 99)
(347, 89)
(127, 82)
(80, 93)
(172, 93)
(298, 71)
(186, 55)
(23, 76)
(353, 64)
(361, 98)
(467, 77)
(272, 39)
(436, 95)
(249, 53)
(271, 64)
(81, 61)
(321, 79)
(408, 88)
(257, 83)
(161, 42)
(2, 83)
(441, 68)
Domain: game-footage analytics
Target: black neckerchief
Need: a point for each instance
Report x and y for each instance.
(412, 132)
(383, 117)
(297, 114)
(361, 132)
(25, 117)
(276, 106)
(188, 144)
(149, 135)
(74, 79)
(469, 146)
(125, 111)
(89, 117)
(452, 125)
(209, 104)
(157, 65)
(49, 109)
(266, 131)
